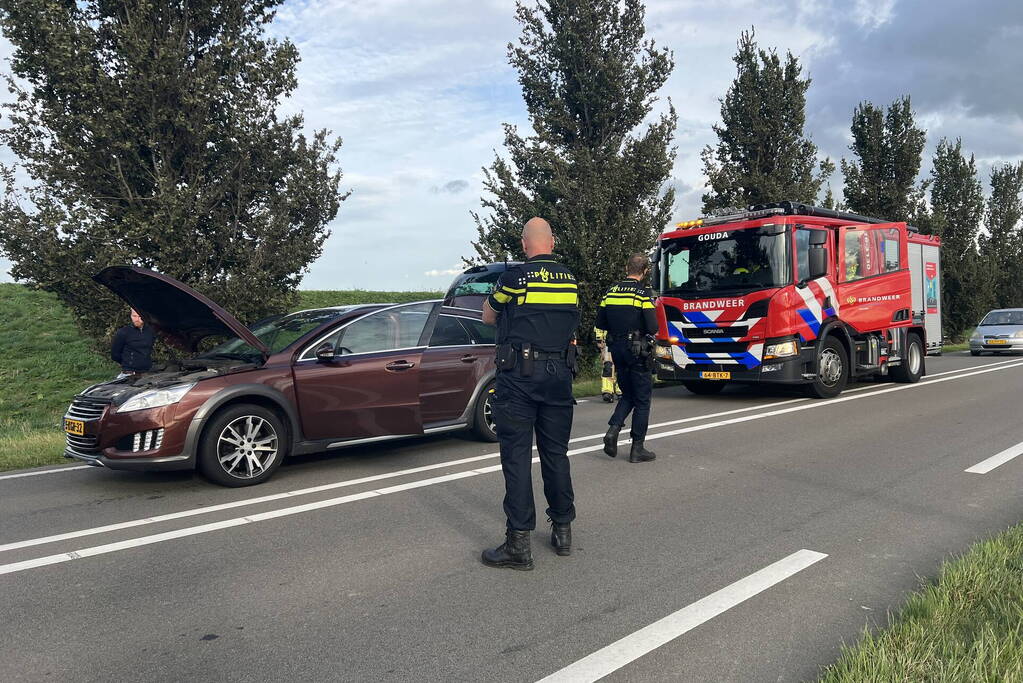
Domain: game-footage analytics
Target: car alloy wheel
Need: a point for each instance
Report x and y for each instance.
(247, 446)
(488, 410)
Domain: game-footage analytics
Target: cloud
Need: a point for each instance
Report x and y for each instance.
(449, 272)
(453, 187)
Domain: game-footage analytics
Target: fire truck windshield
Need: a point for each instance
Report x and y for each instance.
(729, 262)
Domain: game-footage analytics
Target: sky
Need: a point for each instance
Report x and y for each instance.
(419, 89)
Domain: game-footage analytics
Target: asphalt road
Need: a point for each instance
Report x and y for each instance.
(770, 530)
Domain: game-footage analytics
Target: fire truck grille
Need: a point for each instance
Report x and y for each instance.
(718, 347)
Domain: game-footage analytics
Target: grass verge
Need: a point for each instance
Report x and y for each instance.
(965, 626)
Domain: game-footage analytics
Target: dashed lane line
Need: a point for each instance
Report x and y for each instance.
(996, 460)
(609, 659)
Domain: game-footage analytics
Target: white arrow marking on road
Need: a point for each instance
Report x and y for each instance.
(996, 460)
(633, 646)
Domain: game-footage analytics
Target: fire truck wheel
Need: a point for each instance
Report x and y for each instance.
(832, 370)
(704, 387)
(912, 367)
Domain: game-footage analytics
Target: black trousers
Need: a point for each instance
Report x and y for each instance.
(540, 404)
(637, 385)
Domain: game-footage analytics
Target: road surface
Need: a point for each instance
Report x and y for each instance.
(770, 530)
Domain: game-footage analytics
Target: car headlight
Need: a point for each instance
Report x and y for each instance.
(975, 336)
(781, 350)
(156, 398)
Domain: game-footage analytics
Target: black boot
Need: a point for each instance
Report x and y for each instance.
(611, 441)
(561, 538)
(514, 553)
(638, 453)
(607, 397)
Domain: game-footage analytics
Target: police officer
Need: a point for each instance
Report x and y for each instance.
(535, 308)
(627, 313)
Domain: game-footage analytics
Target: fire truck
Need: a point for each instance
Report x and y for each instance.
(788, 293)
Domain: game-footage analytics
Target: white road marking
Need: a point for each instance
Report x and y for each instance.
(609, 659)
(54, 470)
(994, 461)
(450, 463)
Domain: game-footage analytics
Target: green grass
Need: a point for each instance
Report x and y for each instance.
(965, 626)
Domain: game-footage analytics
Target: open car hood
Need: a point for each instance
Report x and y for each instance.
(173, 308)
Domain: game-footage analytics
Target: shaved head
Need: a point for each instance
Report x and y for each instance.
(537, 237)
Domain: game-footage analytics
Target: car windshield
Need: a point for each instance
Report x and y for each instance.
(277, 332)
(1003, 318)
(474, 283)
(726, 263)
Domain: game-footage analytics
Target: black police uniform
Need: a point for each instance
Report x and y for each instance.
(538, 313)
(627, 313)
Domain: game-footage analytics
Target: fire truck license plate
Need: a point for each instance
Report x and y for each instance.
(715, 375)
(76, 427)
(996, 341)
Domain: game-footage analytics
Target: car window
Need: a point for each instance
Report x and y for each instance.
(391, 328)
(480, 332)
(870, 251)
(449, 332)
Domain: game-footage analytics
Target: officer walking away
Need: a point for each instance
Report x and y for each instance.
(627, 313)
(133, 347)
(535, 308)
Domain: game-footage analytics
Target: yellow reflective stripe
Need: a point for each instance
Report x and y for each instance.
(620, 297)
(553, 285)
(509, 290)
(552, 298)
(500, 297)
(630, 303)
(648, 304)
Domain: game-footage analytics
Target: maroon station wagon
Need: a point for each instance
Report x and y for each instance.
(300, 383)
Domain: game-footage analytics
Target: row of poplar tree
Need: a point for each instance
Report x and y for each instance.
(150, 132)
(589, 79)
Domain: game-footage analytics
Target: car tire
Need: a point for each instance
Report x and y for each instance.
(704, 387)
(974, 353)
(912, 367)
(483, 415)
(832, 370)
(259, 441)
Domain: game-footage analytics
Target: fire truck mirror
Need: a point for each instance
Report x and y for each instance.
(818, 238)
(818, 260)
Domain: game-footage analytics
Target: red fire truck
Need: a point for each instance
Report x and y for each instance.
(795, 294)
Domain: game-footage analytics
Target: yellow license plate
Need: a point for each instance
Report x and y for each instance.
(997, 341)
(76, 427)
(715, 375)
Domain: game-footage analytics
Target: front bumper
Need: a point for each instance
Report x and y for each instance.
(1011, 344)
(790, 370)
(181, 461)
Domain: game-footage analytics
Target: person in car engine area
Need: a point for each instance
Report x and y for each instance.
(535, 308)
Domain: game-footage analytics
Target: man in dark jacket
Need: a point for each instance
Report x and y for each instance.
(133, 347)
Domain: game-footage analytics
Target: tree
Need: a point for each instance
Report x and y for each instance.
(761, 154)
(957, 207)
(150, 131)
(588, 79)
(881, 181)
(1002, 248)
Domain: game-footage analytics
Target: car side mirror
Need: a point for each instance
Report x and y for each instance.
(325, 353)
